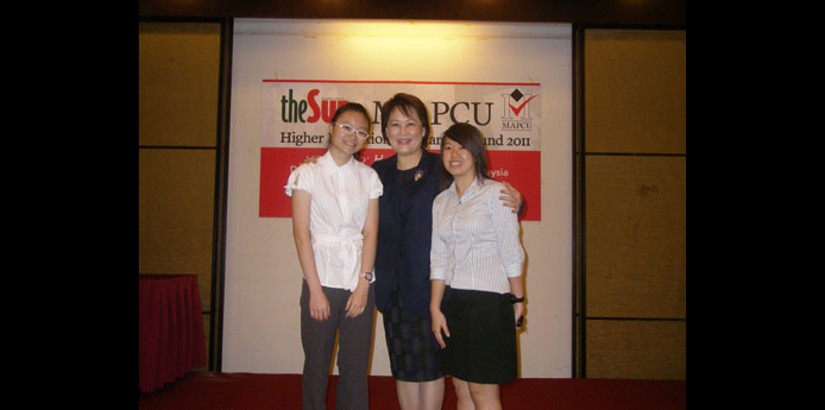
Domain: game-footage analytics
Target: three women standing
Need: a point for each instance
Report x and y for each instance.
(340, 234)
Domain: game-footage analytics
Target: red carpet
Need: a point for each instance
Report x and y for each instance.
(248, 391)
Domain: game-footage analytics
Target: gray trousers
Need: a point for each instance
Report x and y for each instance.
(354, 343)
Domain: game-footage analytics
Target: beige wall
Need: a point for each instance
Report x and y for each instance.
(635, 207)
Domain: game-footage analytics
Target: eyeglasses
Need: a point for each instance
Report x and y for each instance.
(349, 129)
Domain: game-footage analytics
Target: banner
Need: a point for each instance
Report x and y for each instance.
(295, 124)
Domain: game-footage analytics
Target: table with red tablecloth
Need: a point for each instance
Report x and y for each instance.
(171, 338)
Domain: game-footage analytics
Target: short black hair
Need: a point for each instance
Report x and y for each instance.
(408, 104)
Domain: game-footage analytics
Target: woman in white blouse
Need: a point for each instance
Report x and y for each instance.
(335, 227)
(476, 264)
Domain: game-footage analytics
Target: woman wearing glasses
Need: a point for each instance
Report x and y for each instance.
(335, 227)
(412, 178)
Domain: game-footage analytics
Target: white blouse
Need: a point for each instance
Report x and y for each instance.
(338, 212)
(475, 242)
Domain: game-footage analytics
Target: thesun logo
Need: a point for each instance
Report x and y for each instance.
(516, 115)
(310, 109)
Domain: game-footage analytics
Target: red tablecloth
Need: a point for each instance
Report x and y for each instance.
(171, 329)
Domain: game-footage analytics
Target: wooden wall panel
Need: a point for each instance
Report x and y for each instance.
(178, 82)
(636, 221)
(635, 91)
(176, 211)
(635, 205)
(636, 349)
(178, 107)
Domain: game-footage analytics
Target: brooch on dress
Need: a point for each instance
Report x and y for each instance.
(418, 175)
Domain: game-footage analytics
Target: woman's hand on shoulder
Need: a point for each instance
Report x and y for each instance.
(511, 197)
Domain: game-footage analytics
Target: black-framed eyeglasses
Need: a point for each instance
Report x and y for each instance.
(349, 129)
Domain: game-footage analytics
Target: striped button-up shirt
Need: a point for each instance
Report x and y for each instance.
(475, 242)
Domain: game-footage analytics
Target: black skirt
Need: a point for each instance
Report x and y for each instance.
(414, 353)
(482, 343)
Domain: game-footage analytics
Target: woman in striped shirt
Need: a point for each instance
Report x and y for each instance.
(476, 264)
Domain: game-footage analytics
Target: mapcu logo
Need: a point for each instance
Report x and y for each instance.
(516, 115)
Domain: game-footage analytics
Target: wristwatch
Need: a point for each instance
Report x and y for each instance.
(514, 299)
(368, 276)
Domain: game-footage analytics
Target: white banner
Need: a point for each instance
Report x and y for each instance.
(295, 113)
